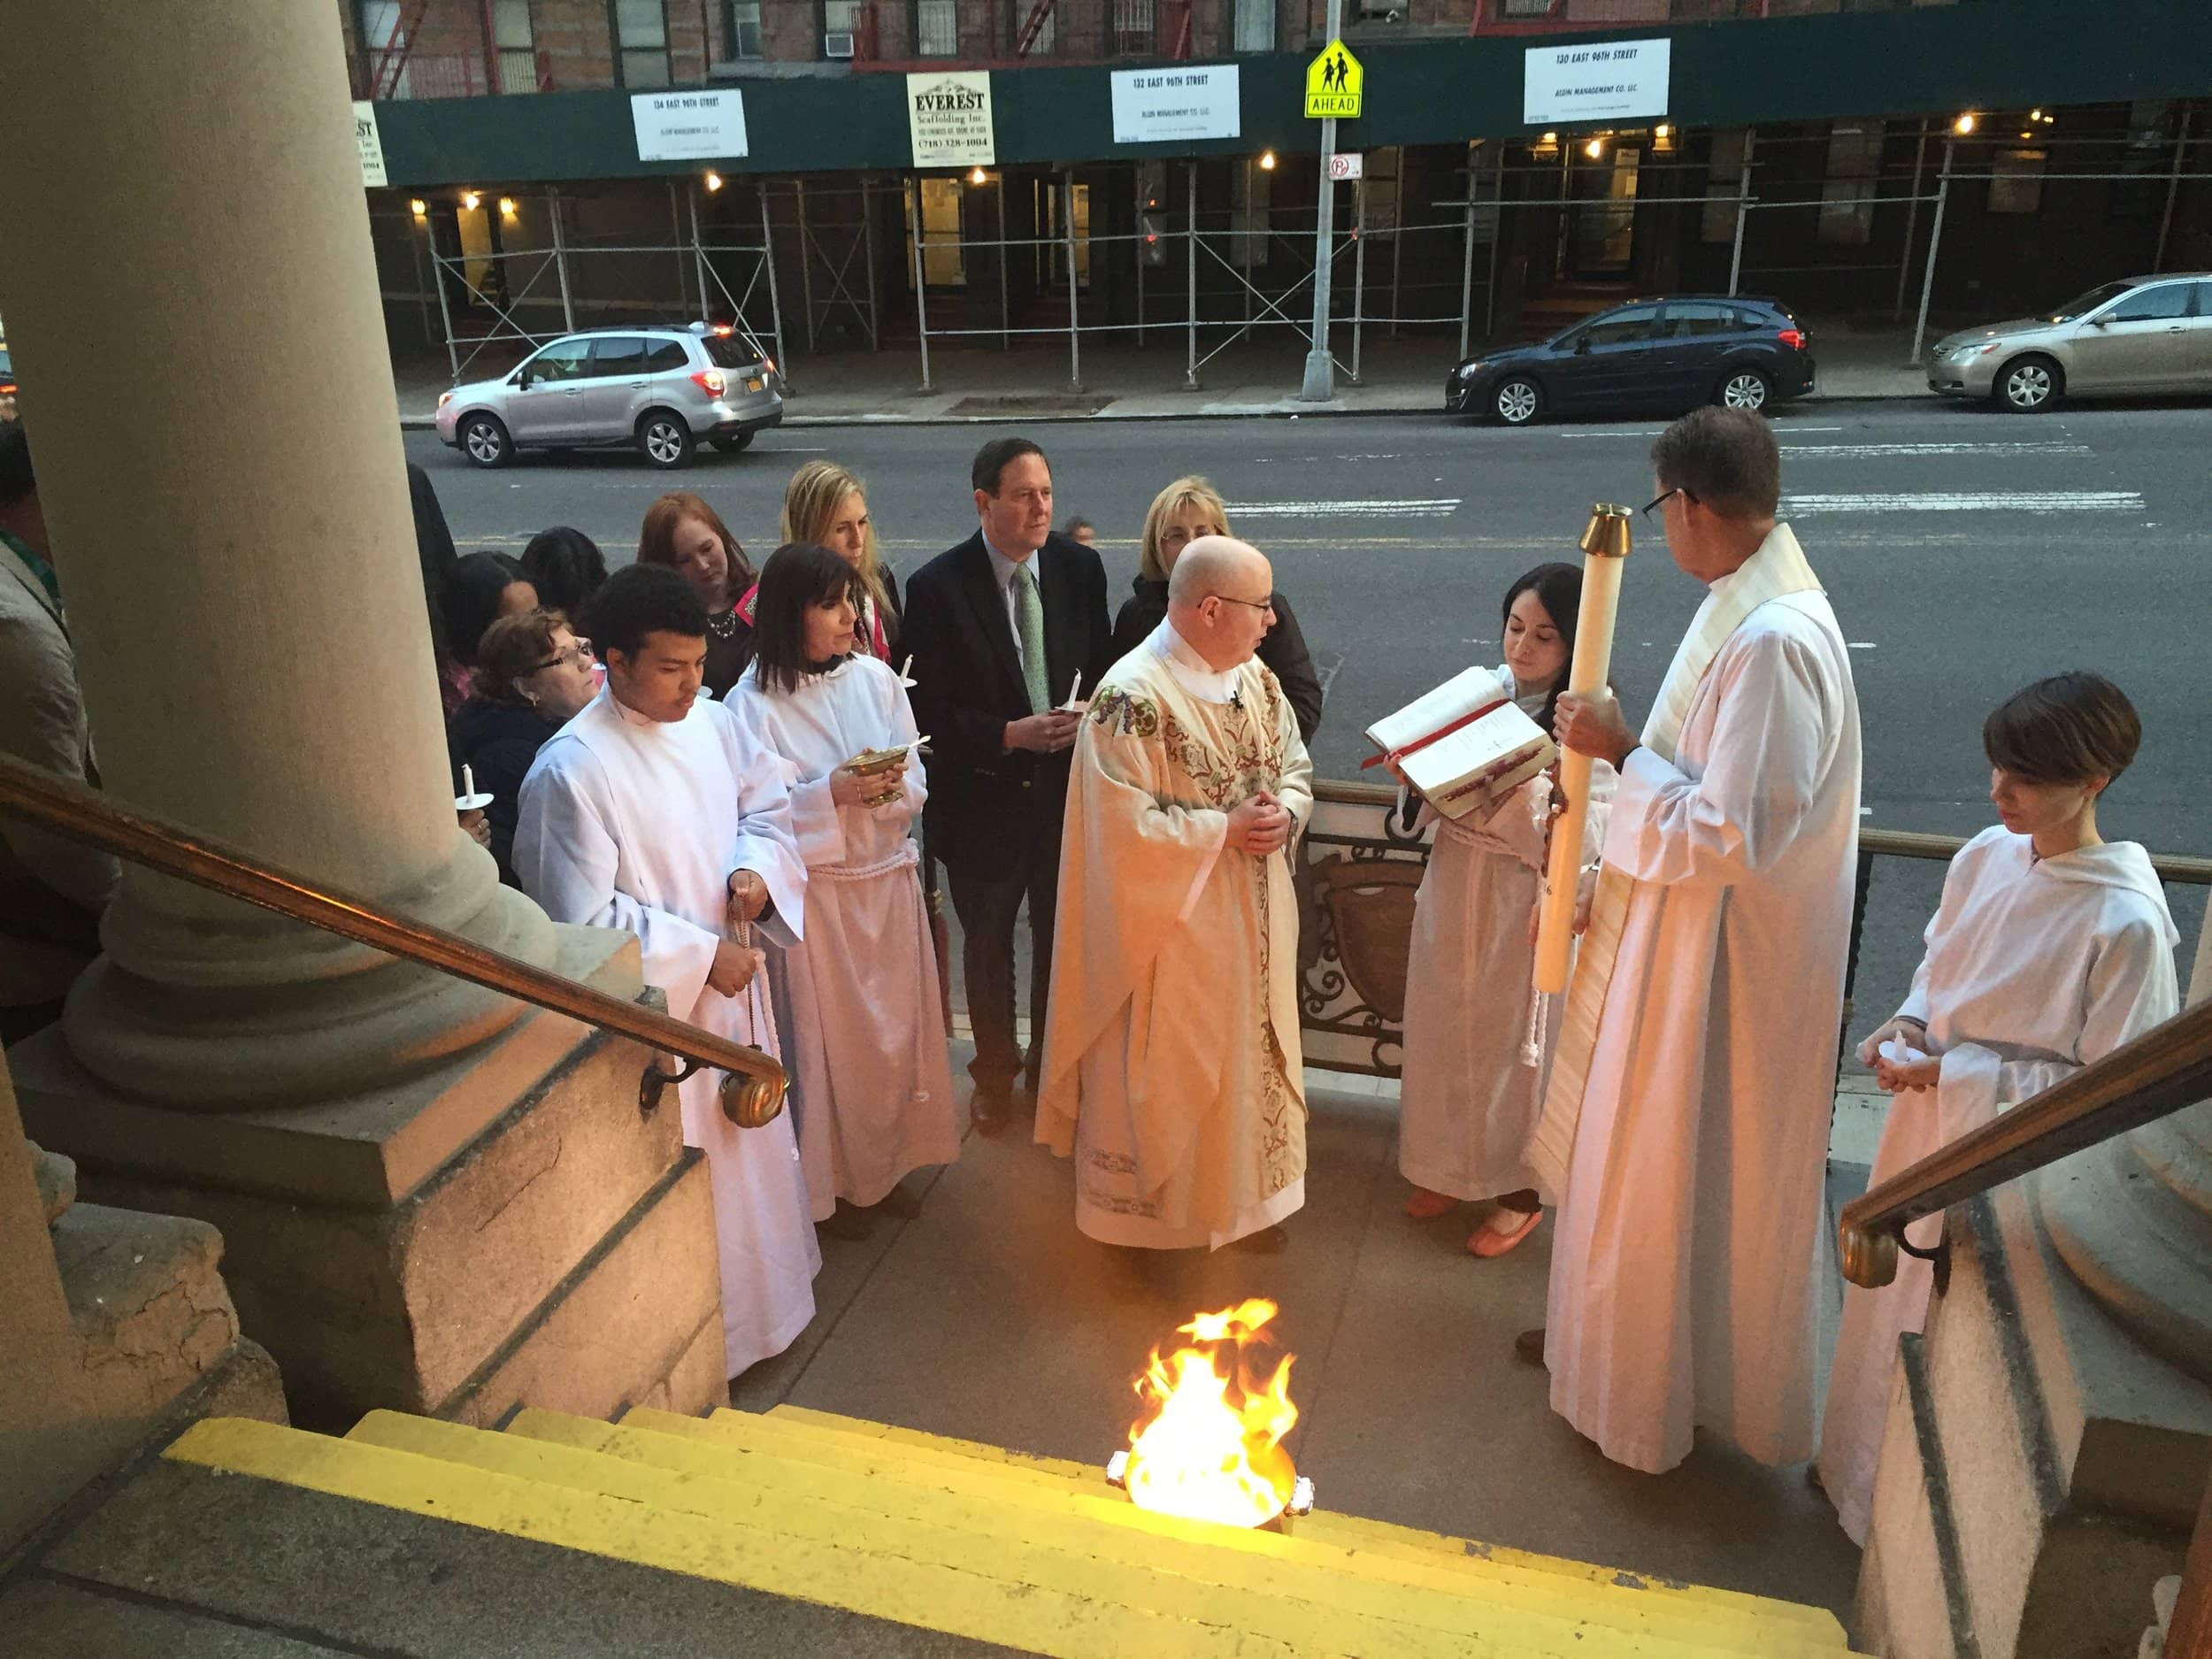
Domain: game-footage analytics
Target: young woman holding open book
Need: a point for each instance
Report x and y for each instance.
(857, 999)
(1468, 1101)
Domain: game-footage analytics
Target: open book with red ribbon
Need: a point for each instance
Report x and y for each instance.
(1463, 745)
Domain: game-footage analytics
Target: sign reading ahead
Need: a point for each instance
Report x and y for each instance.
(371, 144)
(1334, 82)
(1163, 105)
(688, 126)
(949, 118)
(1603, 82)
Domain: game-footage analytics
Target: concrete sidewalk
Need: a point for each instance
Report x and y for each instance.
(1127, 382)
(989, 1318)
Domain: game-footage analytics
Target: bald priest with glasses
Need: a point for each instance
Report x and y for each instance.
(1172, 1073)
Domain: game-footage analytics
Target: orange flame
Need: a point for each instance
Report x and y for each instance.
(1208, 1446)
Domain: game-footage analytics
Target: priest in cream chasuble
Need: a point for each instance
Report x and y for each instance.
(1173, 1069)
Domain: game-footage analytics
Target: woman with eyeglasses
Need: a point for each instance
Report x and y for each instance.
(1185, 509)
(533, 677)
(857, 999)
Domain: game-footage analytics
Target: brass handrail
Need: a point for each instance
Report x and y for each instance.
(2162, 1072)
(1891, 843)
(752, 1086)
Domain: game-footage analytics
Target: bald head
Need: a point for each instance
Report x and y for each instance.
(1217, 599)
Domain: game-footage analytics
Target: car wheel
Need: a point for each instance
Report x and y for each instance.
(1742, 388)
(1517, 401)
(2028, 386)
(731, 442)
(664, 438)
(484, 441)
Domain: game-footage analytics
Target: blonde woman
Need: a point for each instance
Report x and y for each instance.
(1185, 509)
(824, 505)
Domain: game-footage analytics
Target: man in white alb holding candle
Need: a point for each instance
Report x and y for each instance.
(1686, 1123)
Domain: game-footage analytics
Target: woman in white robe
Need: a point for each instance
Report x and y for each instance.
(857, 998)
(2051, 948)
(1467, 1104)
(651, 811)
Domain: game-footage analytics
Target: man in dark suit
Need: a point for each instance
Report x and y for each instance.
(999, 626)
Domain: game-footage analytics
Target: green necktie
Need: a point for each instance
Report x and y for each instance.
(1029, 622)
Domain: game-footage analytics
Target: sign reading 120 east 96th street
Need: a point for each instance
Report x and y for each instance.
(1334, 82)
(1609, 80)
(949, 116)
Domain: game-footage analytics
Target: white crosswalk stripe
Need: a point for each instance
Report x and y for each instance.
(1996, 451)
(1441, 507)
(1970, 501)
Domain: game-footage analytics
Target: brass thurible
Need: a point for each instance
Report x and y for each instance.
(1606, 535)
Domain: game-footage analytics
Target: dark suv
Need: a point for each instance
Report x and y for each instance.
(1662, 353)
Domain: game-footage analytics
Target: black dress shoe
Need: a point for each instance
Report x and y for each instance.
(898, 1203)
(1266, 1242)
(990, 1113)
(1528, 1347)
(849, 1222)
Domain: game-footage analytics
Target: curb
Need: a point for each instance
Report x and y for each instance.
(427, 423)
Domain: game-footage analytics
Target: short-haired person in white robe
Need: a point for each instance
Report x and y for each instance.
(2051, 948)
(1467, 1104)
(856, 998)
(653, 811)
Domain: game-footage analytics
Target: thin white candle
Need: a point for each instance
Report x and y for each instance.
(1074, 689)
(468, 781)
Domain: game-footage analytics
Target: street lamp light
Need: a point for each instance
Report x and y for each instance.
(713, 182)
(1965, 124)
(1267, 161)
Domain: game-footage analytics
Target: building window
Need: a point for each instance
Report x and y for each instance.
(1256, 26)
(943, 266)
(936, 28)
(2016, 182)
(641, 37)
(1133, 27)
(743, 26)
(841, 27)
(517, 46)
(1042, 47)
(1724, 185)
(380, 29)
(1855, 166)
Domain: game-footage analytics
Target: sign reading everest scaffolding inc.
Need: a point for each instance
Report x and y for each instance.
(1334, 83)
(371, 145)
(949, 116)
(1606, 80)
(1162, 105)
(688, 126)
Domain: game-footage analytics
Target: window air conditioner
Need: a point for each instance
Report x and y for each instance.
(837, 43)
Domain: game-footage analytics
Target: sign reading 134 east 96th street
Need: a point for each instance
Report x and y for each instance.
(688, 126)
(1606, 81)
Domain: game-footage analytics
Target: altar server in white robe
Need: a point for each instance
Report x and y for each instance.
(1467, 1099)
(653, 811)
(2052, 947)
(857, 998)
(1686, 1120)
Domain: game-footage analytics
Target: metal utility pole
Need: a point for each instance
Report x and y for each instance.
(1320, 371)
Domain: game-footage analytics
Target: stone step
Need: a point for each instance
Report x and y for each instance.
(909, 1543)
(1468, 1556)
(979, 1514)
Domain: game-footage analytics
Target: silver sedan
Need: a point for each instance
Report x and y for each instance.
(2143, 335)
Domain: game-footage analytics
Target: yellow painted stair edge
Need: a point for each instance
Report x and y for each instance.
(1817, 1624)
(1015, 1551)
(957, 1602)
(978, 1515)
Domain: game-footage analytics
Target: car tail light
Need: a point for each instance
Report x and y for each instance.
(1793, 338)
(711, 382)
(723, 328)
(771, 362)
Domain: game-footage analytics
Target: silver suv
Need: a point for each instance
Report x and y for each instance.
(2144, 335)
(662, 388)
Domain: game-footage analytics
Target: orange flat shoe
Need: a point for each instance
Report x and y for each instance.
(1486, 1241)
(1426, 1206)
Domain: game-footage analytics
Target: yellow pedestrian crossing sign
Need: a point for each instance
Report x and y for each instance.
(1333, 83)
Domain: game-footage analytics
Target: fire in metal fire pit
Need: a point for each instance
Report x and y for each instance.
(1208, 1444)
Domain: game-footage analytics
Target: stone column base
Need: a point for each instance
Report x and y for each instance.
(505, 1230)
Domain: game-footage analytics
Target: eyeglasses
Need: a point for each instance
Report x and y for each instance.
(1257, 604)
(1661, 501)
(579, 652)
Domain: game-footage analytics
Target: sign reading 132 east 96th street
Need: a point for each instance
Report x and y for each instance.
(1157, 106)
(688, 126)
(949, 118)
(1606, 80)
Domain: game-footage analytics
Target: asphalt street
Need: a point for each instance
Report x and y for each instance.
(1966, 552)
